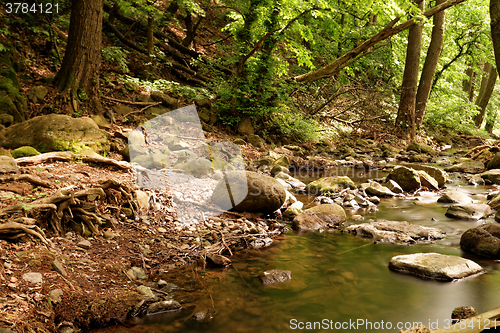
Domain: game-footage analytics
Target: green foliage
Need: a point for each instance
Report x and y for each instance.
(117, 56)
(287, 123)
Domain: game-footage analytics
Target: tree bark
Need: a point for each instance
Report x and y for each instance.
(430, 64)
(406, 112)
(487, 84)
(389, 30)
(82, 58)
(495, 29)
(469, 83)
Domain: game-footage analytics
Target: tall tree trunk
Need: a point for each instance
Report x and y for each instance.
(149, 36)
(406, 113)
(430, 64)
(82, 58)
(487, 84)
(495, 29)
(469, 83)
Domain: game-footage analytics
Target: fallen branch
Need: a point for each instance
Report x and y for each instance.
(68, 156)
(129, 102)
(29, 178)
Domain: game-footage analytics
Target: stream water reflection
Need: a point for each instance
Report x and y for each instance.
(336, 277)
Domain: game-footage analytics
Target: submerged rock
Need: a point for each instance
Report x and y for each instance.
(407, 178)
(455, 197)
(468, 211)
(483, 240)
(163, 306)
(435, 266)
(275, 276)
(396, 232)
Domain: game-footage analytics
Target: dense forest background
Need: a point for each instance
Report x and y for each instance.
(292, 70)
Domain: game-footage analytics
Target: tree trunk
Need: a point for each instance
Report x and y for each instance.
(429, 69)
(495, 29)
(82, 58)
(406, 112)
(469, 83)
(334, 67)
(487, 84)
(149, 36)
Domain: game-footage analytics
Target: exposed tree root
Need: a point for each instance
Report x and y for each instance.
(68, 156)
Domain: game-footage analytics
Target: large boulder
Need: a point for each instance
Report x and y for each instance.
(330, 213)
(407, 178)
(439, 175)
(455, 197)
(245, 126)
(467, 167)
(435, 266)
(248, 191)
(330, 184)
(468, 211)
(492, 175)
(495, 201)
(396, 232)
(55, 132)
(494, 163)
(483, 240)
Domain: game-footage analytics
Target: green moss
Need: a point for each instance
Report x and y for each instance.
(5, 152)
(24, 151)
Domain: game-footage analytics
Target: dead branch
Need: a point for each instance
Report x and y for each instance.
(68, 156)
(35, 180)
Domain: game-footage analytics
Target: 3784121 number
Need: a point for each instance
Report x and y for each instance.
(25, 8)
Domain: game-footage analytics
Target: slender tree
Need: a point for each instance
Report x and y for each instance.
(495, 29)
(487, 85)
(430, 64)
(406, 113)
(79, 70)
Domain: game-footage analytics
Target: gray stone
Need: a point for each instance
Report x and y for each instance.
(56, 295)
(84, 244)
(250, 191)
(137, 273)
(279, 169)
(154, 160)
(122, 110)
(427, 181)
(492, 175)
(101, 121)
(396, 232)
(379, 190)
(37, 94)
(58, 267)
(164, 306)
(494, 163)
(308, 222)
(145, 291)
(8, 165)
(293, 182)
(330, 184)
(393, 186)
(33, 278)
(245, 126)
(199, 167)
(420, 148)
(166, 100)
(260, 243)
(467, 167)
(55, 132)
(468, 211)
(495, 201)
(275, 276)
(330, 213)
(407, 178)
(255, 140)
(483, 240)
(455, 197)
(435, 266)
(142, 199)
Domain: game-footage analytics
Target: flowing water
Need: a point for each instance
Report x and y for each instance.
(339, 281)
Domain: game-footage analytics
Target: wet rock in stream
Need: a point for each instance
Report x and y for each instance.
(455, 197)
(396, 232)
(483, 240)
(468, 211)
(435, 266)
(275, 276)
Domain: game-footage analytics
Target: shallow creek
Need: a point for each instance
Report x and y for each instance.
(336, 277)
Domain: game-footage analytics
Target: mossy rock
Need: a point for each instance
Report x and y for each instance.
(421, 148)
(330, 184)
(5, 152)
(24, 151)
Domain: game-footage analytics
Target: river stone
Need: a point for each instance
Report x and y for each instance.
(37, 94)
(33, 278)
(55, 132)
(495, 201)
(330, 184)
(275, 276)
(218, 260)
(427, 181)
(439, 175)
(155, 160)
(468, 211)
(145, 291)
(483, 240)
(396, 232)
(379, 190)
(494, 163)
(293, 182)
(393, 186)
(278, 169)
(199, 167)
(420, 148)
(137, 273)
(250, 191)
(492, 175)
(407, 178)
(455, 197)
(330, 213)
(255, 140)
(163, 306)
(8, 165)
(435, 266)
(467, 167)
(245, 126)
(308, 222)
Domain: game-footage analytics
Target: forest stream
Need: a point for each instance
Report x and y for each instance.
(338, 279)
